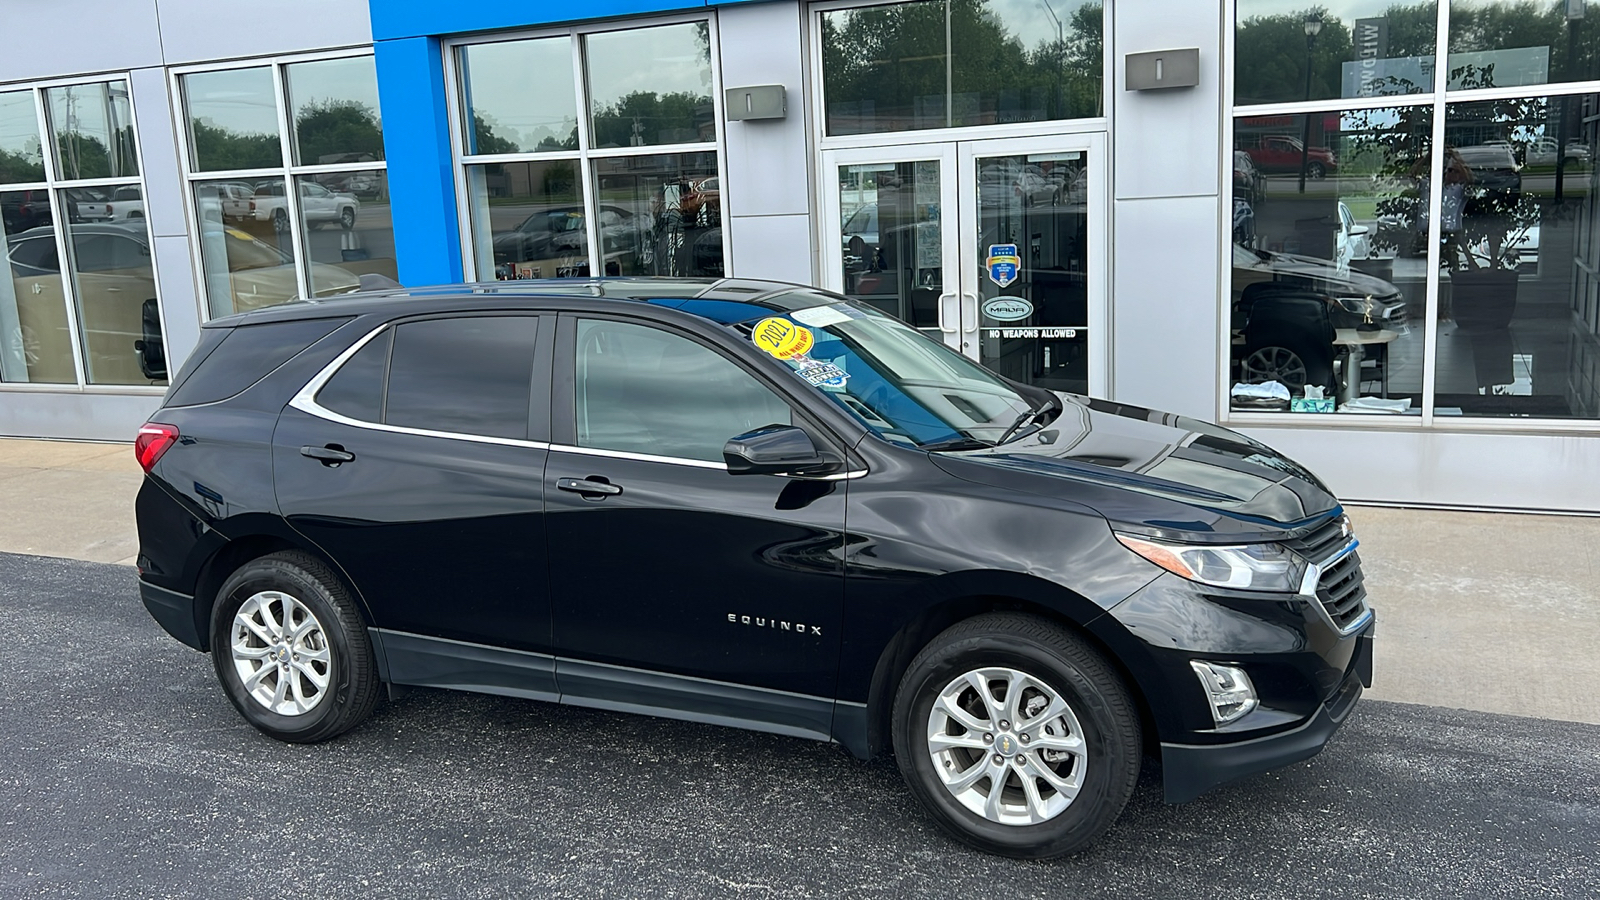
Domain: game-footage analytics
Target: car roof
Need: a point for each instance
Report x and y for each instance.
(720, 300)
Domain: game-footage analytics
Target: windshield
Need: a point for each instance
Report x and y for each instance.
(899, 383)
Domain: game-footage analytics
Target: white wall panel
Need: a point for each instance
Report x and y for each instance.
(201, 30)
(1164, 304)
(1166, 143)
(56, 38)
(776, 247)
(1508, 471)
(158, 152)
(767, 168)
(73, 416)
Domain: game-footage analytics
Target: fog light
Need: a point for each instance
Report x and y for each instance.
(1228, 689)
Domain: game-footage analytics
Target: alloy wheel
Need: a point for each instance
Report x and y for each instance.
(1007, 746)
(281, 653)
(1278, 364)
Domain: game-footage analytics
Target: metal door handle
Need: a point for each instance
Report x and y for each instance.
(586, 486)
(331, 455)
(945, 318)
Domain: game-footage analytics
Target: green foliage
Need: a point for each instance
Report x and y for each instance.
(1270, 52)
(219, 148)
(678, 117)
(331, 131)
(485, 141)
(85, 156)
(20, 167)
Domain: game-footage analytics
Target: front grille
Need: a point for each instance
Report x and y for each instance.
(1341, 591)
(1322, 543)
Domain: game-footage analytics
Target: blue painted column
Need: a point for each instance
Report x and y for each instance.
(416, 140)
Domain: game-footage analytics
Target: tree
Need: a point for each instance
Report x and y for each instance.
(223, 148)
(338, 131)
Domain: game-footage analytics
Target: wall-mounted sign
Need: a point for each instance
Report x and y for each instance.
(1003, 263)
(1008, 309)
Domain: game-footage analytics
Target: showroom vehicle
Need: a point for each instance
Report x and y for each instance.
(632, 494)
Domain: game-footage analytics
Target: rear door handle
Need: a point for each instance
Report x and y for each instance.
(331, 455)
(586, 486)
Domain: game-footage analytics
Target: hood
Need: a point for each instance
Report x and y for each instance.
(1327, 276)
(1155, 473)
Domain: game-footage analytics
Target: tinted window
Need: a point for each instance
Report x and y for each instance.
(644, 390)
(35, 253)
(469, 375)
(356, 390)
(246, 355)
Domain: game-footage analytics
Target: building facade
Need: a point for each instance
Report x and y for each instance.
(1362, 232)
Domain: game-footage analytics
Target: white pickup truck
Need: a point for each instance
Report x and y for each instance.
(318, 205)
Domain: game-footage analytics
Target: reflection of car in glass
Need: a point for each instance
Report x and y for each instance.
(21, 210)
(1542, 152)
(1493, 166)
(1248, 182)
(1351, 241)
(1285, 309)
(1278, 153)
(558, 235)
(318, 205)
(1035, 590)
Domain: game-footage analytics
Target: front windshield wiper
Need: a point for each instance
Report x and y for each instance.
(958, 443)
(1051, 405)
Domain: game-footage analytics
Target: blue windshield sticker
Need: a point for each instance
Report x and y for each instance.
(822, 374)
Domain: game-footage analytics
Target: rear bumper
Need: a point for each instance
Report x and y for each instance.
(172, 611)
(1191, 770)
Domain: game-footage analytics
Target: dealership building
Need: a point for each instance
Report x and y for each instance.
(1361, 231)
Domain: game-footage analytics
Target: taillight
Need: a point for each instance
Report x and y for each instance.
(153, 440)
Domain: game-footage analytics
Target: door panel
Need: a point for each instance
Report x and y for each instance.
(679, 567)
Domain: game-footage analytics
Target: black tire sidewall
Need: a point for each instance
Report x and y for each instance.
(280, 575)
(1098, 803)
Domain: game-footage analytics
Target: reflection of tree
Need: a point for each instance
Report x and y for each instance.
(18, 167)
(892, 60)
(652, 118)
(338, 130)
(223, 148)
(1270, 52)
(85, 156)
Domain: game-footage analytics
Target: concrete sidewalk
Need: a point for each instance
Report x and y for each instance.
(1484, 611)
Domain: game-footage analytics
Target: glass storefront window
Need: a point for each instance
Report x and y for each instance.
(952, 63)
(35, 337)
(1329, 261)
(506, 116)
(248, 262)
(333, 111)
(533, 216)
(1287, 52)
(21, 156)
(659, 215)
(650, 86)
(119, 317)
(1496, 43)
(93, 129)
(233, 120)
(346, 229)
(1519, 330)
(893, 242)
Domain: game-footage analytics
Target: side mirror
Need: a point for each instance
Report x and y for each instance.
(1358, 230)
(775, 450)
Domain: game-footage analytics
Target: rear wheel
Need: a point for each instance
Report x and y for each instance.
(1016, 736)
(291, 651)
(280, 221)
(347, 218)
(1316, 171)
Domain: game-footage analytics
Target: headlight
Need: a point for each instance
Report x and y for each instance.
(1357, 305)
(1250, 567)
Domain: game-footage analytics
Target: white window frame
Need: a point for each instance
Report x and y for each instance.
(55, 188)
(586, 153)
(1438, 99)
(288, 170)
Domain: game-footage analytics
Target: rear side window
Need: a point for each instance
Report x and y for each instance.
(247, 354)
(472, 375)
(356, 390)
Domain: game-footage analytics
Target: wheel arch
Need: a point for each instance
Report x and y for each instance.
(1055, 604)
(227, 559)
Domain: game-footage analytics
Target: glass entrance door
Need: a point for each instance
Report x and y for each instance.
(996, 247)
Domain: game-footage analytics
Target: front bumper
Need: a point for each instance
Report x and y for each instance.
(1190, 770)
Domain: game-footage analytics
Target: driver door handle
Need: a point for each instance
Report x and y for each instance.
(331, 455)
(586, 486)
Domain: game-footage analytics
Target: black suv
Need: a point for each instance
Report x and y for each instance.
(749, 504)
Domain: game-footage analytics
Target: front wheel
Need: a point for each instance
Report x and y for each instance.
(347, 218)
(291, 650)
(1017, 736)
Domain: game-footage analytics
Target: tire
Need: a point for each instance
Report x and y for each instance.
(333, 643)
(280, 221)
(347, 218)
(1316, 171)
(1077, 699)
(1285, 362)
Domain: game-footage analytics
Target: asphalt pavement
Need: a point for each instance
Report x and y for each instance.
(127, 774)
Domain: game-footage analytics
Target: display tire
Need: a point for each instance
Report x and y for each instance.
(1102, 704)
(353, 685)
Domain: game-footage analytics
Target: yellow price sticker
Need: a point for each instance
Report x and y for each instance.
(782, 338)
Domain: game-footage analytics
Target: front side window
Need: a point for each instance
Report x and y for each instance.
(74, 193)
(643, 390)
(552, 197)
(954, 63)
(250, 132)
